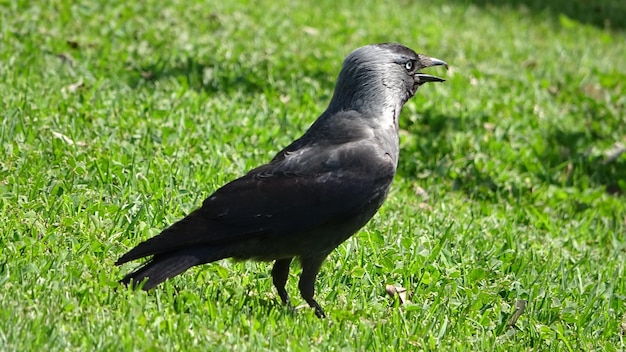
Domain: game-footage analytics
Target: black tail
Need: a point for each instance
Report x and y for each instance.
(164, 266)
(188, 232)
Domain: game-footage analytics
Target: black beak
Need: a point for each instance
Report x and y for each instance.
(421, 78)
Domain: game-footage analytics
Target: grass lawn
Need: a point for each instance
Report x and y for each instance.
(119, 117)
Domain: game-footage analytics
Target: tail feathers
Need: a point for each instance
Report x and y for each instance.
(187, 232)
(164, 266)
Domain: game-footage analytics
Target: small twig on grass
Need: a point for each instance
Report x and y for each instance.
(520, 306)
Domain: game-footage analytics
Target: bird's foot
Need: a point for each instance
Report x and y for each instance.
(319, 312)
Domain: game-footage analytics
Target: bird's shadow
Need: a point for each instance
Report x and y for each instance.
(254, 298)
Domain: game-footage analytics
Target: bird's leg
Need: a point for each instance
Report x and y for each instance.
(280, 273)
(310, 268)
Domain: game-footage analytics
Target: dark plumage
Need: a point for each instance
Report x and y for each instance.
(314, 194)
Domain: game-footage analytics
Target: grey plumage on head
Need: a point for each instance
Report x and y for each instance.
(380, 75)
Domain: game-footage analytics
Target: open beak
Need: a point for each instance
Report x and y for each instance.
(421, 78)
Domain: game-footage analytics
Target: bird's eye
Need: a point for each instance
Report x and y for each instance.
(409, 65)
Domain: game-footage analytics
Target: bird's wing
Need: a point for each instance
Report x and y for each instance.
(283, 203)
(265, 203)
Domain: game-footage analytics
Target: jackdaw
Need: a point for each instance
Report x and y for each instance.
(314, 194)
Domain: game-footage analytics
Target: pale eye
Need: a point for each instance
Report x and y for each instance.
(409, 65)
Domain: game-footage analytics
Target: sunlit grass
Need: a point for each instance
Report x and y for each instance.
(120, 117)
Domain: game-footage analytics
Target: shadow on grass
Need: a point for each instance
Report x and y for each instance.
(565, 160)
(210, 77)
(220, 75)
(568, 154)
(604, 14)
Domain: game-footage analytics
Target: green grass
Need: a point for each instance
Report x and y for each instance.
(502, 192)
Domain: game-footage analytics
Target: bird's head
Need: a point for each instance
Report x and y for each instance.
(385, 75)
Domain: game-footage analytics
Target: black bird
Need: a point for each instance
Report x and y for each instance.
(314, 194)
